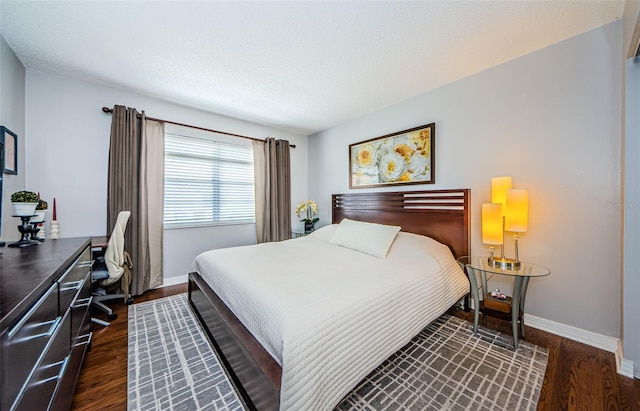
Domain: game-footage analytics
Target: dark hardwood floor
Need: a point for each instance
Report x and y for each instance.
(578, 377)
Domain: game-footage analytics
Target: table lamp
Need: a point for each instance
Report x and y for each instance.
(516, 214)
(496, 223)
(492, 232)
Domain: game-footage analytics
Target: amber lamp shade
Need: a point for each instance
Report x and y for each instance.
(516, 216)
(492, 223)
(499, 187)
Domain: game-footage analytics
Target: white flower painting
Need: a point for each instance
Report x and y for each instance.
(401, 158)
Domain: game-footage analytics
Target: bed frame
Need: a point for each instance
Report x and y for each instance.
(440, 214)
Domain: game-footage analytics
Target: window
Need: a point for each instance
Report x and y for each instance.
(207, 182)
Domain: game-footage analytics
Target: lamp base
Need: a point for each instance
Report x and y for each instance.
(504, 263)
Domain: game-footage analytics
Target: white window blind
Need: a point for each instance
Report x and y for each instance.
(207, 182)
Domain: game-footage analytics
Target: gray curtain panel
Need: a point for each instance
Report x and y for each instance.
(152, 201)
(272, 173)
(135, 164)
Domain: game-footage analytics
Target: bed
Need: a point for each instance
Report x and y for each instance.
(297, 354)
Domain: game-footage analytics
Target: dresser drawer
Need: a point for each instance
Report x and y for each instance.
(74, 279)
(23, 343)
(81, 311)
(42, 385)
(63, 401)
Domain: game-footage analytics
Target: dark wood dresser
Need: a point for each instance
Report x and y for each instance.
(45, 322)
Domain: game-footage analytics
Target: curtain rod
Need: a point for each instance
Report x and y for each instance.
(109, 110)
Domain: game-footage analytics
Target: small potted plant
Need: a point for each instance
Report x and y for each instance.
(24, 203)
(40, 212)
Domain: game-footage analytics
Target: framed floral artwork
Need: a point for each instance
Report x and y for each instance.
(405, 157)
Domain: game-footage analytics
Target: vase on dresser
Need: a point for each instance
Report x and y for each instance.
(38, 216)
(24, 209)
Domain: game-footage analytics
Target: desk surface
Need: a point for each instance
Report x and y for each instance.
(99, 242)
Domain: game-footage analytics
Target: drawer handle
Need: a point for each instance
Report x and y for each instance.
(63, 368)
(76, 264)
(49, 333)
(82, 302)
(72, 286)
(53, 326)
(86, 338)
(12, 332)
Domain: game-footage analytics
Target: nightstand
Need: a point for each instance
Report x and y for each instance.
(480, 265)
(297, 234)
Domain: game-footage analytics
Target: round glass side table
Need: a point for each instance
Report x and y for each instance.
(474, 265)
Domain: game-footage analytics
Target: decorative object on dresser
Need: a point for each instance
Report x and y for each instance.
(24, 204)
(55, 228)
(308, 210)
(38, 220)
(9, 141)
(508, 211)
(45, 326)
(405, 157)
(41, 210)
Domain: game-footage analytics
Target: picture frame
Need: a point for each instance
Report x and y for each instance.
(404, 157)
(10, 144)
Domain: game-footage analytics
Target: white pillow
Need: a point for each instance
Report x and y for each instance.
(370, 238)
(324, 233)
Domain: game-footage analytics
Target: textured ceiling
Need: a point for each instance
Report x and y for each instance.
(300, 66)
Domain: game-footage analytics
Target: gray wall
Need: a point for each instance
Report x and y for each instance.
(631, 205)
(631, 279)
(551, 120)
(69, 154)
(12, 116)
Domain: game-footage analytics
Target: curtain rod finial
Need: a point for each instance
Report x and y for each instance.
(106, 109)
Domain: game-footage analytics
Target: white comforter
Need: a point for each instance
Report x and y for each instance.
(330, 315)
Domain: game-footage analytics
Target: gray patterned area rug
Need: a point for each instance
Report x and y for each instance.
(445, 367)
(171, 365)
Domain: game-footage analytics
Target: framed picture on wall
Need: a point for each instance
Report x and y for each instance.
(405, 157)
(10, 142)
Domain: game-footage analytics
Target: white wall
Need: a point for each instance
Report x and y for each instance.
(68, 153)
(12, 116)
(552, 121)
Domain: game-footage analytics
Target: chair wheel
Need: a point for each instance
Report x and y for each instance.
(129, 300)
(112, 317)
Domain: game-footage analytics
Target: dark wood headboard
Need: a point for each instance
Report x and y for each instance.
(440, 214)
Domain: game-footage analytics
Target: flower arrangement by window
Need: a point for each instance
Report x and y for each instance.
(307, 211)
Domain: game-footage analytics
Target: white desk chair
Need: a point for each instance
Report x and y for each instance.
(109, 270)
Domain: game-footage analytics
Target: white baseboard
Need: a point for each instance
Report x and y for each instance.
(600, 341)
(179, 279)
(603, 342)
(626, 368)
